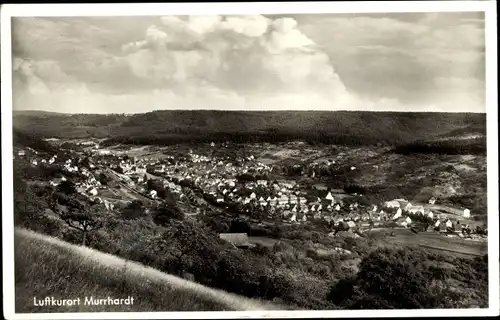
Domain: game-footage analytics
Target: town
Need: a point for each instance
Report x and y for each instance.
(208, 182)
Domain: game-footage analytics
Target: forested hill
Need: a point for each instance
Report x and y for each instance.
(22, 140)
(164, 127)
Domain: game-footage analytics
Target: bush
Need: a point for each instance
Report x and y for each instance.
(166, 212)
(402, 279)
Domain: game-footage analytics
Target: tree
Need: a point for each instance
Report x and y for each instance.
(79, 214)
(389, 278)
(133, 210)
(166, 212)
(67, 187)
(103, 178)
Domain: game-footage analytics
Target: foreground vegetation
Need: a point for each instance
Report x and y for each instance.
(300, 270)
(46, 267)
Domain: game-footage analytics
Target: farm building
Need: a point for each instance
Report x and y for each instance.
(239, 240)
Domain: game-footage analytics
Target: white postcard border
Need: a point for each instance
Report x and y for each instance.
(30, 10)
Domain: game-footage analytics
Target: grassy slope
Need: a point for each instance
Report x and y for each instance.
(46, 266)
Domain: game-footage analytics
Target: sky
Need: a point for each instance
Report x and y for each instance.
(375, 62)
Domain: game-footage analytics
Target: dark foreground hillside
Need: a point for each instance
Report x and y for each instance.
(168, 127)
(47, 267)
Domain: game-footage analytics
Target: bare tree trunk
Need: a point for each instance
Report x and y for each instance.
(84, 237)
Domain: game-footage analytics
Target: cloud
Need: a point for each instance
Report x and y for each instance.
(247, 55)
(400, 55)
(255, 62)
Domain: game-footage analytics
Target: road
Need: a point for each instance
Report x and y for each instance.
(116, 177)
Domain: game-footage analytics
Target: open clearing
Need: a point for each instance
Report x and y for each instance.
(432, 240)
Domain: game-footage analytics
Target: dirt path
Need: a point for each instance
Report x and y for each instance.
(133, 269)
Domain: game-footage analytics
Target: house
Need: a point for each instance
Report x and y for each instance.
(392, 204)
(466, 213)
(430, 215)
(55, 182)
(449, 224)
(262, 182)
(353, 168)
(408, 220)
(330, 197)
(397, 215)
(238, 240)
(34, 162)
(432, 200)
(337, 207)
(375, 208)
(92, 191)
(140, 169)
(21, 153)
(351, 224)
(159, 168)
(253, 195)
(153, 194)
(109, 205)
(294, 217)
(304, 218)
(288, 184)
(416, 209)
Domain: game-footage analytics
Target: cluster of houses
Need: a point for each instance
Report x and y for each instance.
(216, 178)
(405, 210)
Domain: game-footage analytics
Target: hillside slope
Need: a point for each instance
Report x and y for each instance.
(48, 267)
(362, 127)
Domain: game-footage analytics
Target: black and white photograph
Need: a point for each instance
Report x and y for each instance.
(287, 159)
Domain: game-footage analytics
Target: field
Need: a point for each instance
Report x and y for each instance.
(49, 267)
(437, 242)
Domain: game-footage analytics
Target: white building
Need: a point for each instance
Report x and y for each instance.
(392, 204)
(397, 215)
(449, 224)
(330, 197)
(467, 213)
